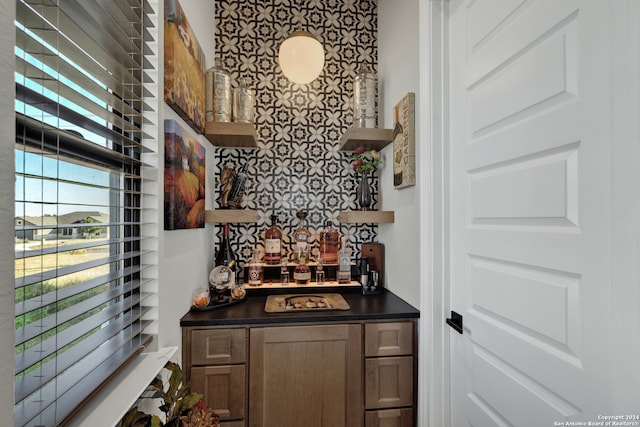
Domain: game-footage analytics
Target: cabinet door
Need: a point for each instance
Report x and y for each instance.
(389, 339)
(306, 376)
(389, 418)
(218, 346)
(389, 382)
(224, 389)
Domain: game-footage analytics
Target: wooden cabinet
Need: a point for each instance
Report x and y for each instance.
(306, 375)
(215, 363)
(390, 418)
(350, 374)
(390, 364)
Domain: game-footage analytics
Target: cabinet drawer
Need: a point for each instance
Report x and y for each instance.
(388, 382)
(240, 423)
(218, 346)
(388, 339)
(223, 387)
(402, 417)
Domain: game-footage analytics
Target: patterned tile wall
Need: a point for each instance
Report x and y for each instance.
(297, 164)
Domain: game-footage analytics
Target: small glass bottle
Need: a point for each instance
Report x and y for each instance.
(273, 243)
(255, 270)
(320, 273)
(302, 273)
(301, 236)
(243, 103)
(328, 245)
(218, 93)
(364, 98)
(284, 273)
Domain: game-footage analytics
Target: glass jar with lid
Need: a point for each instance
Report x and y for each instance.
(364, 98)
(218, 96)
(243, 103)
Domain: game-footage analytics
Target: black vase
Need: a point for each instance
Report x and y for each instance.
(363, 192)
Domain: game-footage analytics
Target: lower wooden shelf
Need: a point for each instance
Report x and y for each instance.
(362, 217)
(230, 215)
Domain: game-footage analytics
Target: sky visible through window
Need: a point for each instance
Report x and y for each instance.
(65, 187)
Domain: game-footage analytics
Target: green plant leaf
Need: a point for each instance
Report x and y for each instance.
(156, 421)
(157, 383)
(190, 401)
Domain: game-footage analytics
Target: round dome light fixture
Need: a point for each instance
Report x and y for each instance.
(301, 57)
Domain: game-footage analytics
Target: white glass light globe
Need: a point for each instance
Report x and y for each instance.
(301, 57)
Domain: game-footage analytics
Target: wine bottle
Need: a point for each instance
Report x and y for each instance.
(273, 243)
(238, 182)
(225, 255)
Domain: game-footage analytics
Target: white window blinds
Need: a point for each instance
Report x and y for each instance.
(81, 70)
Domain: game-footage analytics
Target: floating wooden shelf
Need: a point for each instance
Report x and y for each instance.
(231, 134)
(230, 215)
(370, 139)
(362, 217)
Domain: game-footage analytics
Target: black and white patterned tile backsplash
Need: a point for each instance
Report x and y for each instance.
(297, 164)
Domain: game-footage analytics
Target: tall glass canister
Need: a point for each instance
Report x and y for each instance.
(243, 103)
(364, 98)
(218, 96)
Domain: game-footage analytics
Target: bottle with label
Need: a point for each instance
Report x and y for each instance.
(344, 262)
(255, 270)
(302, 273)
(329, 241)
(225, 255)
(301, 237)
(273, 243)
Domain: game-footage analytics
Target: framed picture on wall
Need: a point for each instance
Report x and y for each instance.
(184, 67)
(184, 178)
(404, 145)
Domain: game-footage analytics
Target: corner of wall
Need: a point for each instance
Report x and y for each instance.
(398, 70)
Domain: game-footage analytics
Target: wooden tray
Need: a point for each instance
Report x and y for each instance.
(305, 302)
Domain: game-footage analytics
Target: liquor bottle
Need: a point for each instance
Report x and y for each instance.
(301, 237)
(344, 261)
(329, 239)
(255, 270)
(302, 273)
(225, 255)
(273, 243)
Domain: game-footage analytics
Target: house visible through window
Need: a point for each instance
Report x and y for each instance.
(80, 106)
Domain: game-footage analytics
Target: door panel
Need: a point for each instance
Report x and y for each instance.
(528, 195)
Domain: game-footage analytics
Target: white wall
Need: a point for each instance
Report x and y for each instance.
(398, 73)
(7, 212)
(185, 256)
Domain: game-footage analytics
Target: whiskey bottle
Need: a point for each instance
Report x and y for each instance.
(301, 237)
(344, 261)
(329, 239)
(273, 243)
(302, 273)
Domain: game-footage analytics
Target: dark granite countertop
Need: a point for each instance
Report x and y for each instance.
(251, 311)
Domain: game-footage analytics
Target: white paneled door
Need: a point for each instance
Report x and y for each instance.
(530, 184)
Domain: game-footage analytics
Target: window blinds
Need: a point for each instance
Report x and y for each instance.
(81, 70)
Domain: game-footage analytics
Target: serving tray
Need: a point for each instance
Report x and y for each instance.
(305, 302)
